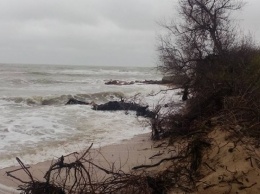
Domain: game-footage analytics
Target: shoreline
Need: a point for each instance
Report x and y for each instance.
(124, 156)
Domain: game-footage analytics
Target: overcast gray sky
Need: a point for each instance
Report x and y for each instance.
(91, 32)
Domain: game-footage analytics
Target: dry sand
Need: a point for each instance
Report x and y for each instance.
(230, 166)
(127, 154)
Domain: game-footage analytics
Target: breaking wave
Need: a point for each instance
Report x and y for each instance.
(63, 99)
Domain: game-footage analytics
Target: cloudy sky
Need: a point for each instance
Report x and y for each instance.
(91, 32)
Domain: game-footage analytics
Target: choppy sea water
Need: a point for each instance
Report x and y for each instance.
(36, 125)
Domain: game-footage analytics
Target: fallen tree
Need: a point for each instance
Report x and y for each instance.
(126, 106)
(116, 106)
(76, 174)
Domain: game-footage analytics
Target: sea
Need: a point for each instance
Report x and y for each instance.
(36, 125)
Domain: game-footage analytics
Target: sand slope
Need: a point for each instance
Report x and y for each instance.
(231, 165)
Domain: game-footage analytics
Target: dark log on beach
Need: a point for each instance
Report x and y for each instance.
(127, 106)
(75, 101)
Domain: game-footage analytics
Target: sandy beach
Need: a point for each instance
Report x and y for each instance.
(124, 156)
(226, 167)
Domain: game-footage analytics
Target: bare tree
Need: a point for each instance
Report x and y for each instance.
(204, 31)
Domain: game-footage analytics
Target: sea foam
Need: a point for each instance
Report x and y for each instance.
(36, 125)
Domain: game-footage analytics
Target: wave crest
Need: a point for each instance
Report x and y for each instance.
(63, 99)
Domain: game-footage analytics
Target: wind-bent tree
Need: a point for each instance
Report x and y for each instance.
(203, 33)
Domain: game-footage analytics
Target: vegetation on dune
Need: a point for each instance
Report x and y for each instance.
(221, 83)
(221, 72)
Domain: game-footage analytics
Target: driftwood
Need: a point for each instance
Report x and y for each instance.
(117, 105)
(127, 106)
(78, 174)
(119, 82)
